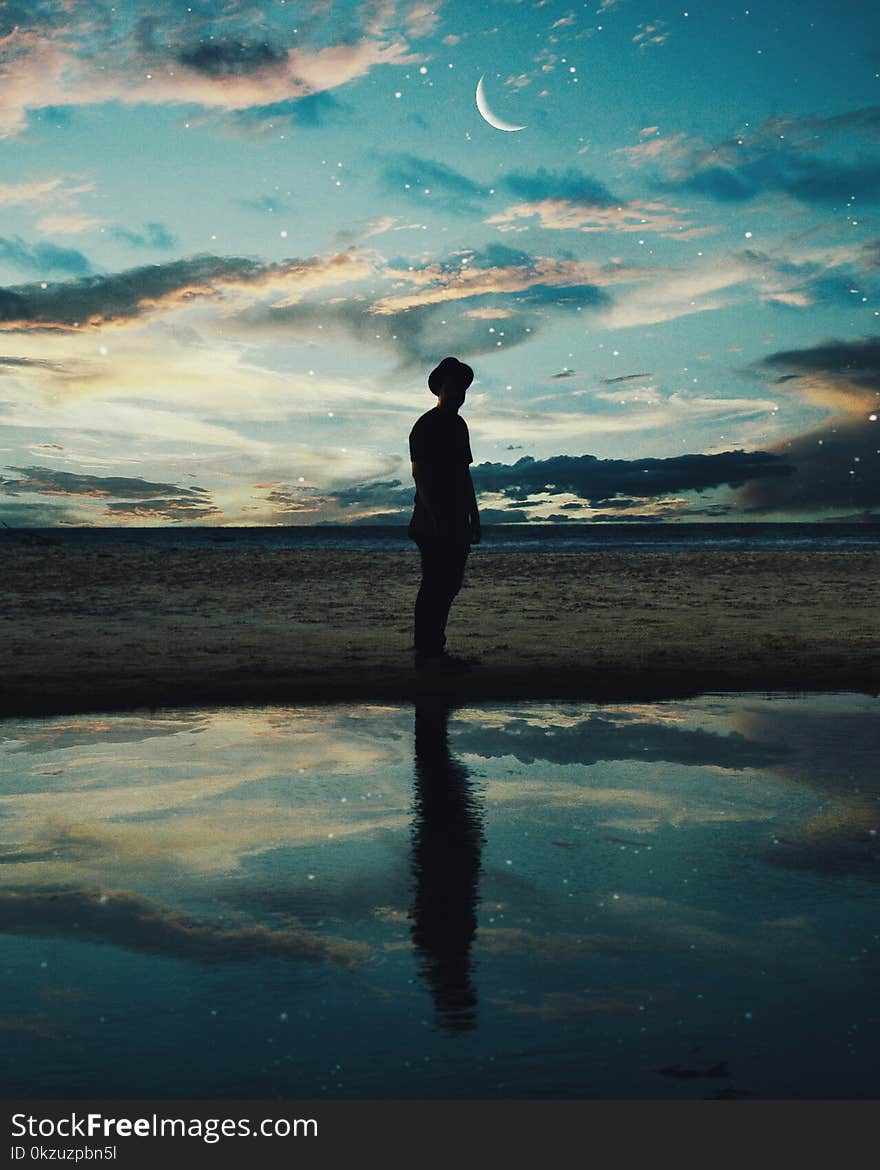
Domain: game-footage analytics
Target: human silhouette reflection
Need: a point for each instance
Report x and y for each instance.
(447, 843)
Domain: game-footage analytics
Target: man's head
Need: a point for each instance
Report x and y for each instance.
(450, 380)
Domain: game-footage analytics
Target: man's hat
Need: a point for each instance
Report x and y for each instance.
(450, 369)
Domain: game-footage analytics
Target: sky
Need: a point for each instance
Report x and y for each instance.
(236, 236)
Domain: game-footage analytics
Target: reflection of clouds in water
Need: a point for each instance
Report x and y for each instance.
(601, 737)
(634, 924)
(636, 809)
(212, 839)
(564, 1006)
(842, 842)
(188, 818)
(45, 735)
(350, 874)
(245, 806)
(560, 948)
(259, 850)
(264, 784)
(645, 938)
(833, 744)
(120, 918)
(70, 842)
(181, 806)
(34, 1027)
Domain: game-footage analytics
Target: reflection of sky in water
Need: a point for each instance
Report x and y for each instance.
(534, 900)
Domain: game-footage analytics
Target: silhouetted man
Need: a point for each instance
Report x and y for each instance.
(445, 522)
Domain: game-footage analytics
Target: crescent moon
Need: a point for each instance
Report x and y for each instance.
(485, 110)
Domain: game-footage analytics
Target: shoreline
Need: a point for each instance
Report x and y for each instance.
(92, 630)
(485, 689)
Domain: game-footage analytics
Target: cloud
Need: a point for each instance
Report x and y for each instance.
(176, 511)
(415, 333)
(55, 199)
(34, 191)
(572, 201)
(619, 502)
(498, 277)
(68, 223)
(836, 463)
(422, 178)
(187, 502)
(378, 493)
(623, 378)
(374, 225)
(591, 479)
(318, 109)
(421, 18)
(562, 215)
(42, 514)
(507, 515)
(571, 185)
(498, 272)
(665, 293)
(413, 312)
(780, 155)
(32, 363)
(314, 110)
(103, 301)
(223, 59)
(651, 34)
(372, 502)
(154, 235)
(810, 180)
(856, 363)
(230, 58)
(43, 258)
(269, 203)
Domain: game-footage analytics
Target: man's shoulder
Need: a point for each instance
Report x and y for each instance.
(440, 420)
(427, 419)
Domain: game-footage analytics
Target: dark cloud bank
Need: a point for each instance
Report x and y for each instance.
(126, 295)
(598, 480)
(122, 496)
(836, 464)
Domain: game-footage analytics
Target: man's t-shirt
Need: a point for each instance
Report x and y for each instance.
(440, 445)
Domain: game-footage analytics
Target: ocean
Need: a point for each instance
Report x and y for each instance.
(498, 537)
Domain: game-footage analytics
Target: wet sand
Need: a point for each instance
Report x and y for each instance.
(99, 629)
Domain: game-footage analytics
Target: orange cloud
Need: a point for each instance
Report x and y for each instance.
(118, 299)
(566, 215)
(436, 284)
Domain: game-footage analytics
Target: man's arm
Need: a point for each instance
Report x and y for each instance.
(421, 480)
(473, 512)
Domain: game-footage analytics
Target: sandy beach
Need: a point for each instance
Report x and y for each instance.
(97, 629)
